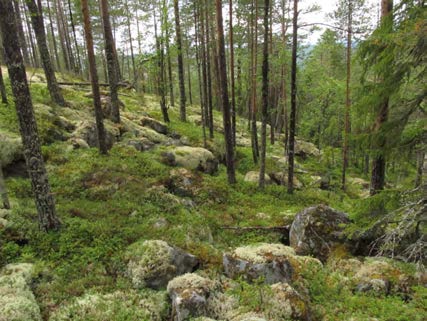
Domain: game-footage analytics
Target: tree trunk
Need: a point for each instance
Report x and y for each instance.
(36, 62)
(170, 75)
(233, 90)
(3, 191)
(38, 25)
(379, 163)
(347, 99)
(209, 105)
(66, 34)
(264, 96)
(94, 78)
(32, 151)
(228, 136)
(2, 89)
(55, 47)
(21, 35)
(182, 111)
(253, 113)
(292, 124)
(135, 75)
(78, 65)
(161, 53)
(62, 36)
(111, 62)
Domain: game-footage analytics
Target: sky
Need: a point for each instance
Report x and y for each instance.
(327, 6)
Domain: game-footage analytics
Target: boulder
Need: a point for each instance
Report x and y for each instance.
(154, 124)
(318, 231)
(281, 178)
(190, 296)
(11, 149)
(272, 262)
(253, 177)
(17, 302)
(154, 263)
(193, 158)
(287, 304)
(130, 304)
(306, 149)
(141, 144)
(86, 130)
(249, 316)
(182, 182)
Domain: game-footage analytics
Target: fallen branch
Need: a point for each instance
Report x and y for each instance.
(254, 228)
(121, 84)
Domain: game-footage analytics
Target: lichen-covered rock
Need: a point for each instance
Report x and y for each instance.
(317, 231)
(193, 158)
(249, 316)
(11, 149)
(154, 263)
(281, 178)
(286, 303)
(86, 130)
(272, 262)
(154, 124)
(17, 302)
(120, 305)
(189, 294)
(182, 182)
(253, 177)
(305, 149)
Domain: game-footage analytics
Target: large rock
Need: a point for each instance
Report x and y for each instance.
(120, 305)
(305, 149)
(281, 178)
(272, 262)
(17, 302)
(190, 296)
(287, 304)
(182, 182)
(86, 130)
(318, 231)
(193, 158)
(11, 149)
(154, 124)
(154, 263)
(253, 177)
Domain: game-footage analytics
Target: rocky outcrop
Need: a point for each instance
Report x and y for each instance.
(190, 296)
(306, 149)
(253, 177)
(11, 149)
(17, 302)
(271, 262)
(86, 130)
(154, 263)
(318, 231)
(182, 182)
(281, 178)
(193, 158)
(120, 305)
(287, 304)
(154, 124)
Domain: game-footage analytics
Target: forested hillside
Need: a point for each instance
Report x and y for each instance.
(229, 160)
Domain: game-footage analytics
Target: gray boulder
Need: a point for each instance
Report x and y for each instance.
(154, 263)
(253, 177)
(154, 124)
(318, 231)
(193, 158)
(86, 130)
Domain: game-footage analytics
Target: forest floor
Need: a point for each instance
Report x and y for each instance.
(107, 203)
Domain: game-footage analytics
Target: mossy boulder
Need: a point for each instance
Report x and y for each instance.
(271, 262)
(253, 177)
(193, 158)
(306, 149)
(17, 302)
(190, 296)
(318, 231)
(154, 124)
(120, 305)
(249, 316)
(154, 263)
(86, 130)
(281, 178)
(11, 149)
(182, 182)
(286, 303)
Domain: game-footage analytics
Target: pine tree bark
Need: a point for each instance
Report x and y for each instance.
(32, 151)
(76, 45)
(233, 86)
(347, 99)
(3, 191)
(61, 36)
(228, 135)
(2, 89)
(135, 74)
(379, 162)
(94, 78)
(209, 105)
(38, 26)
(161, 62)
(170, 75)
(22, 42)
(52, 32)
(113, 78)
(33, 51)
(265, 91)
(182, 103)
(292, 122)
(253, 112)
